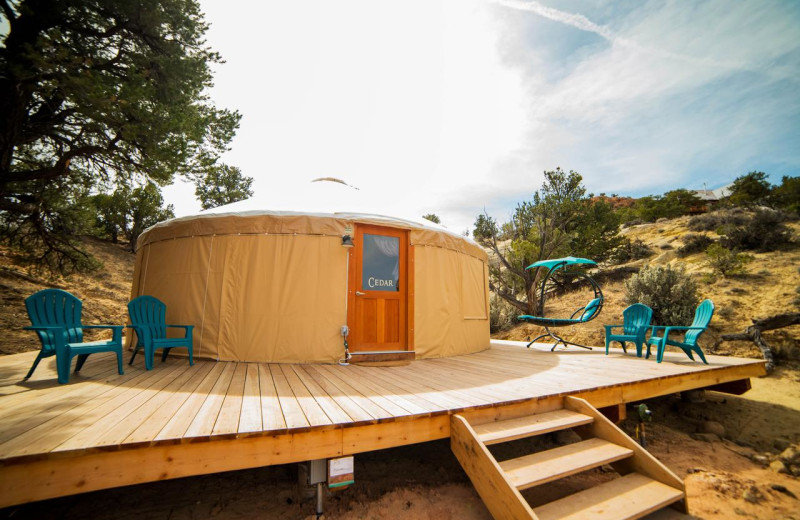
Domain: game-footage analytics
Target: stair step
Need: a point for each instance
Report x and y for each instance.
(629, 497)
(512, 429)
(546, 466)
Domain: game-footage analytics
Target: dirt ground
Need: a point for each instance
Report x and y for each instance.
(727, 473)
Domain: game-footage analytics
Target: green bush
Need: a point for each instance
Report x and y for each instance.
(694, 243)
(671, 293)
(765, 231)
(727, 261)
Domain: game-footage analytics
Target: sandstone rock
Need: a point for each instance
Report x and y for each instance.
(760, 459)
(791, 455)
(712, 427)
(779, 467)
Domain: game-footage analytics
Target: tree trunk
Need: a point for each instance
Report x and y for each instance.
(753, 333)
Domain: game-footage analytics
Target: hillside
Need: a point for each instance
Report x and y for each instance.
(104, 292)
(769, 287)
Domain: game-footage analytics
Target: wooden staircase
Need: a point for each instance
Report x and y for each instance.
(645, 485)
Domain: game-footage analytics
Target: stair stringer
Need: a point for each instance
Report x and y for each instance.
(642, 461)
(502, 499)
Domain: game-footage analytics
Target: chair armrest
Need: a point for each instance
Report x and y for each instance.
(120, 327)
(670, 327)
(42, 327)
(115, 329)
(609, 327)
(187, 327)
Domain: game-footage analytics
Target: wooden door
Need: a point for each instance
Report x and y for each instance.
(378, 290)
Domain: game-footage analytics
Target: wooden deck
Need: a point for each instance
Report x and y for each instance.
(105, 430)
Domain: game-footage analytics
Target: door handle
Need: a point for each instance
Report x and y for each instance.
(359, 293)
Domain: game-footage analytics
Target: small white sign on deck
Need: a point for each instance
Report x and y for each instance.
(341, 472)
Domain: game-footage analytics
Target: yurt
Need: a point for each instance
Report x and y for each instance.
(304, 276)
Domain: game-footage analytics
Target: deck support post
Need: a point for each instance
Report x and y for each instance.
(732, 387)
(615, 413)
(320, 496)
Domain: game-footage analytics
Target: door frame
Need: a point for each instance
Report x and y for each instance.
(354, 282)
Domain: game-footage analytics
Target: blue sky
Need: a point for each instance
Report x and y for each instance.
(454, 106)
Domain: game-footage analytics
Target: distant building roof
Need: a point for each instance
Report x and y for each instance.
(713, 195)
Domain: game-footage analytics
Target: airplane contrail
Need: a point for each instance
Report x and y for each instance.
(584, 24)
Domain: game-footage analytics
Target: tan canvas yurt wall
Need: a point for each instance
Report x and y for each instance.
(272, 286)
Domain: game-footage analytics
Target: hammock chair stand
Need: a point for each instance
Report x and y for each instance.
(582, 315)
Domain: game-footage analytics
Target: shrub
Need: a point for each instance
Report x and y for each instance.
(694, 243)
(725, 313)
(631, 223)
(671, 293)
(630, 250)
(502, 315)
(727, 261)
(765, 231)
(717, 220)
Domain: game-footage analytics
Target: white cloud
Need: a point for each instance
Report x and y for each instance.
(452, 106)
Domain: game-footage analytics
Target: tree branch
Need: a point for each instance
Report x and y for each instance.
(8, 11)
(508, 297)
(753, 333)
(17, 207)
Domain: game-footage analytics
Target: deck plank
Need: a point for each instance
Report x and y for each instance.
(328, 404)
(347, 403)
(94, 434)
(231, 409)
(271, 412)
(57, 428)
(250, 418)
(177, 426)
(292, 411)
(203, 423)
(343, 388)
(42, 408)
(311, 409)
(144, 408)
(149, 429)
(345, 377)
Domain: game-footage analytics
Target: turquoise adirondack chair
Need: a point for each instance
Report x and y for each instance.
(148, 319)
(56, 318)
(702, 317)
(635, 322)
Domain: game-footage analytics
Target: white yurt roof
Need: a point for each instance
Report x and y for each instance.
(324, 197)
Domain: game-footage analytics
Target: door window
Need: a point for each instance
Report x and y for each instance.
(381, 263)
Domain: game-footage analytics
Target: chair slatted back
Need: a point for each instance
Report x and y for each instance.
(702, 317)
(636, 316)
(55, 308)
(148, 315)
